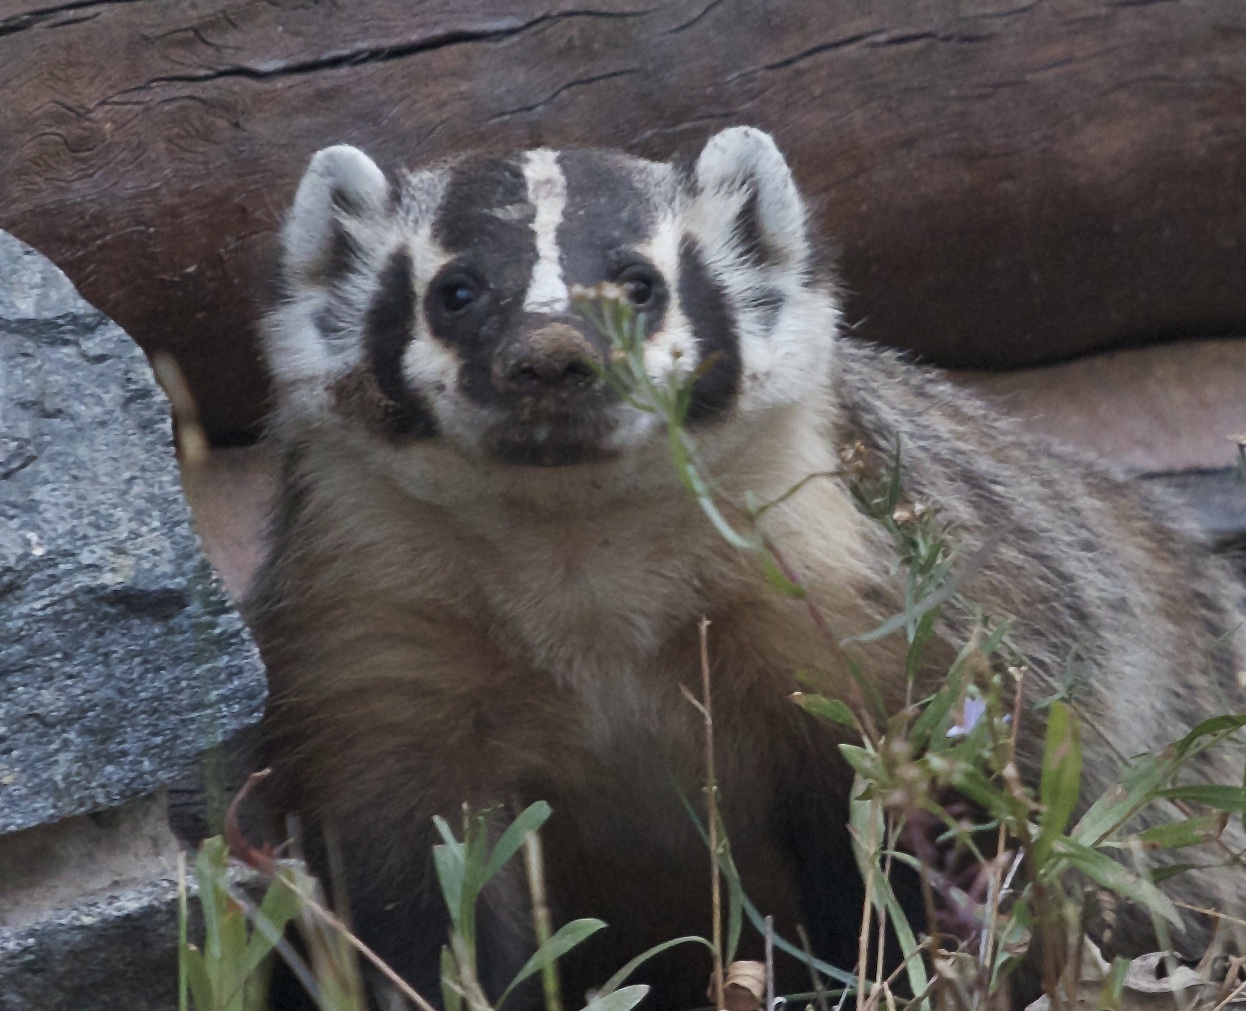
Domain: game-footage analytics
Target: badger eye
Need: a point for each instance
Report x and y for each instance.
(457, 293)
(638, 282)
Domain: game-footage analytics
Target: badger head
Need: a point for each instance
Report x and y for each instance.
(434, 313)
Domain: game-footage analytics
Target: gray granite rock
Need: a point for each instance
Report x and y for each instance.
(1218, 498)
(120, 659)
(115, 952)
(1218, 501)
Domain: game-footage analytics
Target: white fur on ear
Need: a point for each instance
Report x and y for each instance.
(341, 185)
(742, 165)
(343, 200)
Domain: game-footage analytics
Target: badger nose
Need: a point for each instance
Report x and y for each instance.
(556, 358)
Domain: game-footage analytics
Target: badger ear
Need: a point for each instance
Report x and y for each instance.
(341, 197)
(339, 215)
(747, 197)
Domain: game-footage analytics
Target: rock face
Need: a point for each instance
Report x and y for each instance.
(121, 661)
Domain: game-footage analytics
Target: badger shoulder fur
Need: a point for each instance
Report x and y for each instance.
(486, 578)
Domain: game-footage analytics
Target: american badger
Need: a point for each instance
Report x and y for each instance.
(486, 578)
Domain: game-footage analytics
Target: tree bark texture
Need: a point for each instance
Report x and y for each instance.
(1006, 182)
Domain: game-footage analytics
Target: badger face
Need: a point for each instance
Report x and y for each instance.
(438, 310)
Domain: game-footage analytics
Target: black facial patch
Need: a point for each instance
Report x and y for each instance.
(610, 211)
(384, 399)
(485, 224)
(607, 210)
(486, 206)
(713, 325)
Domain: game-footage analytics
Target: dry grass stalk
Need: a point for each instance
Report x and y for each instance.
(769, 963)
(542, 922)
(711, 811)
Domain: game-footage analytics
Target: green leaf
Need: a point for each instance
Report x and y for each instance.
(935, 713)
(446, 833)
(777, 578)
(528, 820)
(918, 638)
(197, 980)
(1116, 980)
(787, 947)
(895, 483)
(735, 921)
(228, 973)
(1191, 832)
(865, 763)
(755, 918)
(1120, 802)
(974, 785)
(725, 529)
(1215, 725)
(1107, 872)
(1061, 778)
(619, 1000)
(451, 998)
(280, 905)
(948, 587)
(475, 862)
(905, 618)
(869, 688)
(564, 939)
(1170, 871)
(183, 946)
(1013, 941)
(1223, 798)
(825, 709)
(450, 873)
(866, 818)
(614, 981)
(208, 865)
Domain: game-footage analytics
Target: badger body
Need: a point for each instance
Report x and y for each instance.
(486, 579)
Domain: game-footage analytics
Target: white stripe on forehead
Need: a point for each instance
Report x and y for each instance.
(547, 192)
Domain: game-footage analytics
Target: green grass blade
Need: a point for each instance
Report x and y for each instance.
(620, 1000)
(1222, 798)
(564, 939)
(183, 946)
(280, 905)
(1102, 869)
(451, 998)
(1120, 802)
(198, 981)
(832, 710)
(1190, 832)
(528, 820)
(617, 979)
(866, 818)
(207, 864)
(1061, 778)
(451, 873)
(446, 833)
(1214, 725)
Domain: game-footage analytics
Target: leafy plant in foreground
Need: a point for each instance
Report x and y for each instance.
(942, 774)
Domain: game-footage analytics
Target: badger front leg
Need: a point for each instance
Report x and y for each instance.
(390, 733)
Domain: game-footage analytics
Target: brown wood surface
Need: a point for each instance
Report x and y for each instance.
(1007, 182)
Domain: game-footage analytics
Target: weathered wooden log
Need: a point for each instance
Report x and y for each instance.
(1009, 182)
